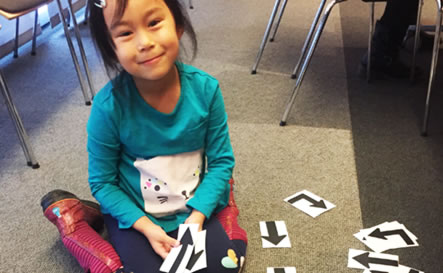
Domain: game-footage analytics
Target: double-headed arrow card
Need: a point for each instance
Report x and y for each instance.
(389, 235)
(372, 261)
(281, 270)
(309, 203)
(274, 234)
(190, 256)
(399, 269)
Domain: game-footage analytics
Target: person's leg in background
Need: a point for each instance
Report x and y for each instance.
(388, 36)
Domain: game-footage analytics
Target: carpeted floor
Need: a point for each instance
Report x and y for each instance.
(355, 144)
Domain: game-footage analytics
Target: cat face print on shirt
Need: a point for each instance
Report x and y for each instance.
(157, 188)
(168, 182)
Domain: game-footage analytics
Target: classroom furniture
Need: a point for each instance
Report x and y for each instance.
(13, 10)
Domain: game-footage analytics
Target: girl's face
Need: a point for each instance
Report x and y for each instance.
(146, 38)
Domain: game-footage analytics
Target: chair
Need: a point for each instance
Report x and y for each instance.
(435, 51)
(13, 10)
(274, 32)
(305, 57)
(19, 128)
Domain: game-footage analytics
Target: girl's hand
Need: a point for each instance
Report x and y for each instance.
(160, 241)
(196, 217)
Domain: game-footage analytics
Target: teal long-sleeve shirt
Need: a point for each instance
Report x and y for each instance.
(123, 128)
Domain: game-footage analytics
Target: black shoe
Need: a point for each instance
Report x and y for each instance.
(387, 68)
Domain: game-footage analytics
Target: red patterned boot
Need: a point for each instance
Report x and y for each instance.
(74, 219)
(228, 218)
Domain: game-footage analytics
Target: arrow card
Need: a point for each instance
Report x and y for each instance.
(373, 261)
(389, 235)
(190, 256)
(274, 234)
(309, 203)
(399, 269)
(281, 270)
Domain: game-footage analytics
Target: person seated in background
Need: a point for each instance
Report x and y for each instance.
(388, 35)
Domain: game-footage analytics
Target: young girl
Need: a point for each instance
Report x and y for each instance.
(158, 141)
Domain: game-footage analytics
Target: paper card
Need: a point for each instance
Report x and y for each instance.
(198, 259)
(371, 260)
(193, 228)
(177, 259)
(405, 269)
(274, 234)
(190, 256)
(399, 269)
(387, 236)
(281, 270)
(309, 203)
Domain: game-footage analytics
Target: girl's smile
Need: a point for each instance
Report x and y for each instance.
(152, 60)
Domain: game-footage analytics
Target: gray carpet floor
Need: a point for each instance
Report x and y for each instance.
(357, 145)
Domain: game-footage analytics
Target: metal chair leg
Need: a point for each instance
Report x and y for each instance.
(416, 39)
(86, 13)
(18, 124)
(371, 33)
(435, 51)
(73, 54)
(190, 4)
(81, 49)
(265, 37)
(308, 38)
(34, 36)
(280, 15)
(17, 30)
(307, 60)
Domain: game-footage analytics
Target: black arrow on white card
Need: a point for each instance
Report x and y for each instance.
(317, 204)
(273, 236)
(377, 233)
(187, 238)
(185, 241)
(178, 260)
(193, 259)
(365, 260)
(411, 271)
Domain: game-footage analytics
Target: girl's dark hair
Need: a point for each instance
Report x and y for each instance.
(102, 38)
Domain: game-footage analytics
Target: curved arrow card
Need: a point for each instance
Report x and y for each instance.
(388, 235)
(274, 234)
(309, 203)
